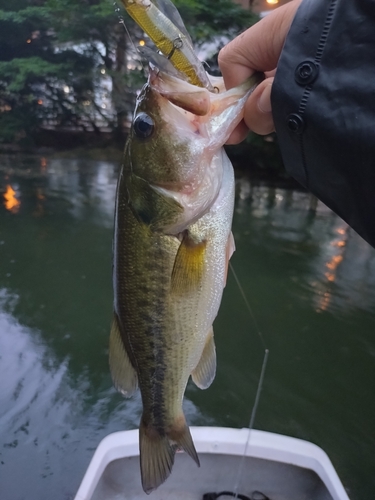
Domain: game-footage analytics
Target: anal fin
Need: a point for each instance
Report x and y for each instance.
(124, 376)
(204, 373)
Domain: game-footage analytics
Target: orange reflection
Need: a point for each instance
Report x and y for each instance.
(11, 202)
(332, 266)
(325, 301)
(330, 276)
(43, 164)
(334, 262)
(340, 243)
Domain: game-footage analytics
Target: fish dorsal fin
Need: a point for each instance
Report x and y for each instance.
(204, 373)
(188, 265)
(170, 11)
(124, 376)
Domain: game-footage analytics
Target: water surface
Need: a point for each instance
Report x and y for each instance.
(310, 281)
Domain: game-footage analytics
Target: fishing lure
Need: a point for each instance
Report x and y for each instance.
(163, 24)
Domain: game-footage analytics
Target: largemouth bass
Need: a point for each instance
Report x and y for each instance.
(172, 244)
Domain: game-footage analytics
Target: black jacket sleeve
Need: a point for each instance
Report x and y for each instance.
(323, 102)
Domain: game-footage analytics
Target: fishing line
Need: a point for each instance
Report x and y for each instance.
(122, 22)
(248, 306)
(259, 387)
(251, 423)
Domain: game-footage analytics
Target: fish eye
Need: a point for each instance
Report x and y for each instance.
(143, 125)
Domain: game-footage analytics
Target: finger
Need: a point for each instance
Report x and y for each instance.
(258, 48)
(270, 73)
(257, 114)
(258, 111)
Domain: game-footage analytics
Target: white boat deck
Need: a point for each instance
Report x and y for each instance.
(279, 467)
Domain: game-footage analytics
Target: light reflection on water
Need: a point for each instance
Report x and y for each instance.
(341, 267)
(46, 425)
(310, 281)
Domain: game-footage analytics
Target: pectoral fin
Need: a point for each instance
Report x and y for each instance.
(124, 376)
(230, 248)
(204, 373)
(189, 265)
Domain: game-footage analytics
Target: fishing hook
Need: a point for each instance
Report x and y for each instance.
(177, 44)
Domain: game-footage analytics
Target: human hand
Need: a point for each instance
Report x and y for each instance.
(257, 49)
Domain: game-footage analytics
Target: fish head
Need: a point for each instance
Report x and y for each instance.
(175, 142)
(166, 148)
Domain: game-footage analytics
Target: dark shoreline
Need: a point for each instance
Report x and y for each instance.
(247, 161)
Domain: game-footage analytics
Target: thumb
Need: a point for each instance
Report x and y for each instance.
(258, 115)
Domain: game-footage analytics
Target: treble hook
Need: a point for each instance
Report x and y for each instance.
(177, 44)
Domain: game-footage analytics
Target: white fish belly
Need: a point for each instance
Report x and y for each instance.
(194, 315)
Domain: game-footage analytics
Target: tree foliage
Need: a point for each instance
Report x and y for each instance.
(209, 20)
(57, 55)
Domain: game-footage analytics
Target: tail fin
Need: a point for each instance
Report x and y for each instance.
(157, 452)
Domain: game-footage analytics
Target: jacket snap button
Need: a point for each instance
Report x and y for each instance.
(295, 123)
(306, 72)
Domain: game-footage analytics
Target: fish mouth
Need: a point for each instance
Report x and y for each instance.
(195, 100)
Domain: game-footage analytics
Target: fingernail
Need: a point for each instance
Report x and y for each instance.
(264, 101)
